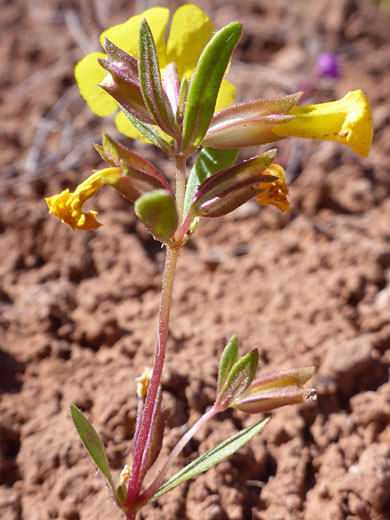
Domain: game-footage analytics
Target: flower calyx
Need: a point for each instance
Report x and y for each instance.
(228, 189)
(240, 388)
(138, 176)
(272, 390)
(249, 123)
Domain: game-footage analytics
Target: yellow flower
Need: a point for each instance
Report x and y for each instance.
(347, 120)
(276, 192)
(190, 31)
(67, 206)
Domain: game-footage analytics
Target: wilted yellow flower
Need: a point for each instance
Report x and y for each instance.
(276, 192)
(143, 382)
(347, 120)
(190, 31)
(125, 475)
(68, 206)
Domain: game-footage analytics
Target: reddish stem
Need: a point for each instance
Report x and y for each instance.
(136, 477)
(135, 482)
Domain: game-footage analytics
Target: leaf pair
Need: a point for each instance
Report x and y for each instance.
(234, 375)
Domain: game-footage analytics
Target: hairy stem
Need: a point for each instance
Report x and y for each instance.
(180, 184)
(135, 482)
(146, 423)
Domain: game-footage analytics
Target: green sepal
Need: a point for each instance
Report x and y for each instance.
(92, 442)
(150, 81)
(212, 457)
(208, 162)
(157, 210)
(228, 359)
(149, 132)
(205, 83)
(240, 377)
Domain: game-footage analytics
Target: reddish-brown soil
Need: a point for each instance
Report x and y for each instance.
(312, 287)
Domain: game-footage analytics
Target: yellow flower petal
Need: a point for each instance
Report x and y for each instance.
(191, 30)
(226, 95)
(125, 35)
(276, 192)
(67, 206)
(347, 121)
(88, 73)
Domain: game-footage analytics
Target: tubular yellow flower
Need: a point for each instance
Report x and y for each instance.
(67, 206)
(276, 192)
(347, 120)
(190, 31)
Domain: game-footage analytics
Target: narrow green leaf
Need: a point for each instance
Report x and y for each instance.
(148, 131)
(205, 83)
(228, 359)
(240, 377)
(92, 442)
(208, 162)
(150, 80)
(157, 210)
(212, 457)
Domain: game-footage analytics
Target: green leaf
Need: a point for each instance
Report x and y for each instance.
(208, 162)
(150, 80)
(212, 457)
(240, 377)
(92, 442)
(205, 83)
(148, 131)
(228, 359)
(157, 210)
